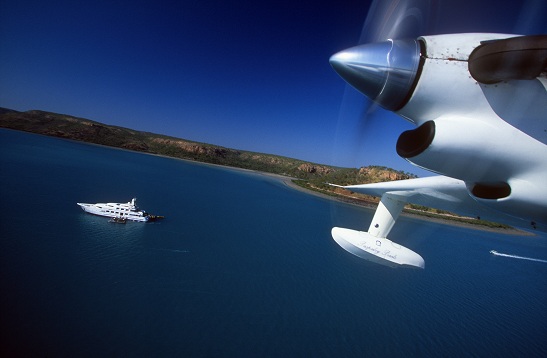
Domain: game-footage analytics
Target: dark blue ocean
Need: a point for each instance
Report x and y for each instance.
(242, 266)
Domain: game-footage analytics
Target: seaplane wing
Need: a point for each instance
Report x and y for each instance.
(479, 104)
(448, 192)
(439, 192)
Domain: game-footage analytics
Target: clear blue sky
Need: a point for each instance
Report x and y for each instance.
(251, 75)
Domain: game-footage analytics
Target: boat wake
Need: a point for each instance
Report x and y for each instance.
(493, 252)
(170, 250)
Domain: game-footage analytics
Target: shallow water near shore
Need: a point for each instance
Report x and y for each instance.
(242, 265)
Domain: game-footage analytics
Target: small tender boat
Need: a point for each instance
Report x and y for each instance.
(119, 211)
(118, 220)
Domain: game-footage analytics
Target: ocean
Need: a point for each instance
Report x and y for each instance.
(241, 266)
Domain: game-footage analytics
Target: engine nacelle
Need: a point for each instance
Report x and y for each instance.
(518, 197)
(470, 150)
(488, 158)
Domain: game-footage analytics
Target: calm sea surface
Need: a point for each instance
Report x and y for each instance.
(242, 266)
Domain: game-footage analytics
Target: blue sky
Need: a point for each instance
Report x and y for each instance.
(251, 75)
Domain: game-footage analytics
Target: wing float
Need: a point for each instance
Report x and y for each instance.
(479, 103)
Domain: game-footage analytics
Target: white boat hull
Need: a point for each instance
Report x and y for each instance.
(127, 211)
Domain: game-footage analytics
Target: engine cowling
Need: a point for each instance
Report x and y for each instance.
(499, 171)
(470, 150)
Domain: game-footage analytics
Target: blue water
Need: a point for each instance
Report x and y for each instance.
(241, 266)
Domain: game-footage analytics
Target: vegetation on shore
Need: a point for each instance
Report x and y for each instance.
(311, 176)
(70, 127)
(372, 202)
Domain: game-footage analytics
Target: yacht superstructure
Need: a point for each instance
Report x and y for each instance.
(128, 211)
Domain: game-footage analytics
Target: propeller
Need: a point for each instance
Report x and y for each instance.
(397, 19)
(386, 21)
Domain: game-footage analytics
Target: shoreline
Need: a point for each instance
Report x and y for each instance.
(288, 181)
(439, 220)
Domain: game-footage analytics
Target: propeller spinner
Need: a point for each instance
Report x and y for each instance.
(386, 72)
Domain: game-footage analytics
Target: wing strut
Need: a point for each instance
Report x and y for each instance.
(374, 244)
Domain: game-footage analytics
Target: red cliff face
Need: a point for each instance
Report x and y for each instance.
(312, 169)
(193, 147)
(377, 174)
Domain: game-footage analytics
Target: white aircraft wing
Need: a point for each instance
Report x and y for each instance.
(450, 193)
(439, 192)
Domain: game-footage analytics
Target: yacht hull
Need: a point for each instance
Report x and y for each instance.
(128, 211)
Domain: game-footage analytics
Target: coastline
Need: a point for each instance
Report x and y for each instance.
(288, 181)
(510, 231)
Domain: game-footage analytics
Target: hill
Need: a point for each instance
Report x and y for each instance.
(81, 129)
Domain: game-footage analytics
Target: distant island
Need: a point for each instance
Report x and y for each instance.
(310, 176)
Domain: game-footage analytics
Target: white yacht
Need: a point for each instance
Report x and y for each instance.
(128, 211)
